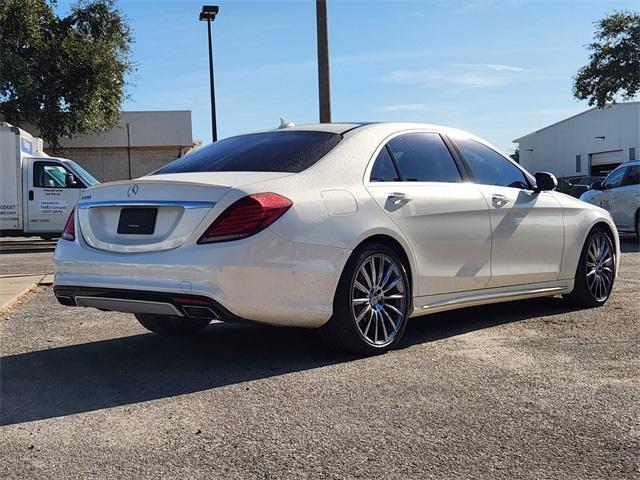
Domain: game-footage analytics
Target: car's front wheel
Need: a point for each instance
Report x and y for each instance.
(371, 304)
(596, 270)
(172, 326)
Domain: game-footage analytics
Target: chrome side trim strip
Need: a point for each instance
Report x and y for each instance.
(490, 296)
(147, 203)
(128, 305)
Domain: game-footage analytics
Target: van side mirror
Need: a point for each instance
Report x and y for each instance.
(597, 185)
(70, 181)
(545, 181)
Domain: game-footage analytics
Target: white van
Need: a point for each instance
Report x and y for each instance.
(37, 192)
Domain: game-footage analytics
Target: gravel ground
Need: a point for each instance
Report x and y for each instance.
(529, 389)
(26, 256)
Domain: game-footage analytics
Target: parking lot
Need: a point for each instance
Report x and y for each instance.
(532, 389)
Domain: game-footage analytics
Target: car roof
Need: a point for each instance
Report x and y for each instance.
(345, 127)
(628, 163)
(340, 128)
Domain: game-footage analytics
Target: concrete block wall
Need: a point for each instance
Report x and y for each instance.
(111, 163)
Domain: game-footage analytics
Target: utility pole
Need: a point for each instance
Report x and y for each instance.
(324, 91)
(208, 14)
(129, 149)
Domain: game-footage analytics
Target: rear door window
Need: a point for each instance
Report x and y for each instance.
(383, 169)
(489, 167)
(292, 151)
(423, 157)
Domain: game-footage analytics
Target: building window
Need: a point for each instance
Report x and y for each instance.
(632, 153)
(578, 163)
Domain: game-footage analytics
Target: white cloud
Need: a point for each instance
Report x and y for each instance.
(477, 80)
(469, 74)
(504, 68)
(409, 77)
(406, 107)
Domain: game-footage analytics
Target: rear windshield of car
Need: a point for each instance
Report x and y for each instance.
(292, 151)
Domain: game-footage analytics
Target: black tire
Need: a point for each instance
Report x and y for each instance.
(582, 294)
(342, 331)
(172, 326)
(638, 225)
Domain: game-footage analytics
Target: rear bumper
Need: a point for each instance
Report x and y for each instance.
(138, 301)
(263, 279)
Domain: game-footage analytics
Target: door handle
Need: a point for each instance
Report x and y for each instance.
(499, 201)
(399, 198)
(30, 194)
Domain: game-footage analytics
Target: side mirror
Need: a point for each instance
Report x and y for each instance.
(70, 181)
(545, 181)
(597, 185)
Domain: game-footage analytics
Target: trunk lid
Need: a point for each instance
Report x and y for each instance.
(153, 213)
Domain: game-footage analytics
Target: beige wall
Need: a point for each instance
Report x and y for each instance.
(146, 129)
(109, 164)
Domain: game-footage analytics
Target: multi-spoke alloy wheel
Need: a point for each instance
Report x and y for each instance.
(596, 270)
(379, 298)
(600, 266)
(372, 302)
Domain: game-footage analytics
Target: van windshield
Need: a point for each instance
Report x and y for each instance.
(86, 177)
(277, 151)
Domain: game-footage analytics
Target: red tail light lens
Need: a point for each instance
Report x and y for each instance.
(246, 217)
(69, 232)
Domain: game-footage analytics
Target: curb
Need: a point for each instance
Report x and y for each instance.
(16, 298)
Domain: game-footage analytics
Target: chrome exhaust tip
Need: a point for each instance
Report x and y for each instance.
(193, 311)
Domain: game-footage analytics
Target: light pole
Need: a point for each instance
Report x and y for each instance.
(324, 92)
(208, 14)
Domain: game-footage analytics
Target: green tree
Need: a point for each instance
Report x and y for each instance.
(64, 75)
(614, 63)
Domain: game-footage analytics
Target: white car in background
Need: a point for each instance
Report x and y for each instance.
(619, 193)
(349, 228)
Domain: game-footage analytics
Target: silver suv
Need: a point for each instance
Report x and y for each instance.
(619, 193)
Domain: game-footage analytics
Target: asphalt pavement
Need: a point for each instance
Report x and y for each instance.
(531, 389)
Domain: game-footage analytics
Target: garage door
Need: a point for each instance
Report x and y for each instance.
(604, 162)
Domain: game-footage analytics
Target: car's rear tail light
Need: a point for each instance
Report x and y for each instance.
(246, 217)
(69, 232)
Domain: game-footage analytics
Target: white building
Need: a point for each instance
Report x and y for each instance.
(593, 142)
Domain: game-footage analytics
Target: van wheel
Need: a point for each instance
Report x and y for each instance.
(172, 326)
(371, 303)
(596, 270)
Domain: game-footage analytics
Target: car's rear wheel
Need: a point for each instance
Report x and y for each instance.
(172, 326)
(596, 270)
(371, 304)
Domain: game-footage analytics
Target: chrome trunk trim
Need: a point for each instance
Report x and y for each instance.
(146, 203)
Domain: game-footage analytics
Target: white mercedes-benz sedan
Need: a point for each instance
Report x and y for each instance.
(348, 228)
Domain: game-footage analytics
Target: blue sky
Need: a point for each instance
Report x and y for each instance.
(497, 68)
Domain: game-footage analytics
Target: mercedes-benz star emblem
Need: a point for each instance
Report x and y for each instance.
(133, 190)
